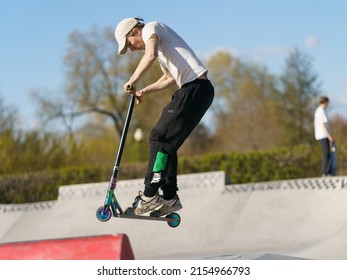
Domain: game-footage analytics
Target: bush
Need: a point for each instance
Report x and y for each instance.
(43, 186)
(29, 187)
(281, 164)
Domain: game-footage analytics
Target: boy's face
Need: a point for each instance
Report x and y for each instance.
(135, 41)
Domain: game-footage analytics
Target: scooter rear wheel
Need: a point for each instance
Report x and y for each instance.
(176, 217)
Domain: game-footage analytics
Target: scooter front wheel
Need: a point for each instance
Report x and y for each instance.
(103, 216)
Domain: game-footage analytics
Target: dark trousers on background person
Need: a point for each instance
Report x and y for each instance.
(327, 157)
(178, 119)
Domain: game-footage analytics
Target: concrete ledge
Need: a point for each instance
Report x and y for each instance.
(339, 182)
(26, 207)
(130, 187)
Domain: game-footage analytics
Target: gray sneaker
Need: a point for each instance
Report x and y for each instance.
(169, 206)
(144, 204)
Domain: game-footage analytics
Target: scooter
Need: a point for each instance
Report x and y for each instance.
(111, 206)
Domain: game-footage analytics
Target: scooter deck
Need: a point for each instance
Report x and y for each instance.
(172, 219)
(138, 217)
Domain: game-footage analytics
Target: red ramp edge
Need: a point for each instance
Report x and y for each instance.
(104, 247)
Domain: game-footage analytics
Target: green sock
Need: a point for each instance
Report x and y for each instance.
(160, 162)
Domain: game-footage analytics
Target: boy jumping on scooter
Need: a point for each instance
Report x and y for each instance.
(189, 103)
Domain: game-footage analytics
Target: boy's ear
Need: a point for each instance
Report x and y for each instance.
(136, 31)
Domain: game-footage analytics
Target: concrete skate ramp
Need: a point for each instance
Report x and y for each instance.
(274, 220)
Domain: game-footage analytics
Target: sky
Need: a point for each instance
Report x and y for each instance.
(33, 38)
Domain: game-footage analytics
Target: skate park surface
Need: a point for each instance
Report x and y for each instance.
(292, 219)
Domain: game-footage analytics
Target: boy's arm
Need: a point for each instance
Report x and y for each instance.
(164, 82)
(151, 54)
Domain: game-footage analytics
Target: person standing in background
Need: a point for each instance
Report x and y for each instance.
(324, 136)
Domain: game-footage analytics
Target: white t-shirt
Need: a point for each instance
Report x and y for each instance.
(319, 119)
(174, 54)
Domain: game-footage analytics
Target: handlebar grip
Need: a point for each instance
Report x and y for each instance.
(130, 87)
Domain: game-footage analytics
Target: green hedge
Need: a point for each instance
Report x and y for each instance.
(290, 163)
(42, 186)
(281, 164)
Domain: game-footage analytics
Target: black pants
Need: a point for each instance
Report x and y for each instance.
(327, 158)
(177, 121)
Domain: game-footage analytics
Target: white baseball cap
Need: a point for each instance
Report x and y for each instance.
(122, 30)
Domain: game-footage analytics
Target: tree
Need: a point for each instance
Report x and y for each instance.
(22, 151)
(244, 107)
(339, 130)
(299, 87)
(95, 75)
(93, 94)
(8, 116)
(93, 80)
